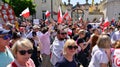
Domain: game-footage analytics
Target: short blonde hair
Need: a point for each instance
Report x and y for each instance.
(69, 42)
(82, 31)
(104, 41)
(23, 42)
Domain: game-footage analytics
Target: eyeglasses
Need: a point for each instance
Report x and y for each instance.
(71, 47)
(5, 37)
(23, 52)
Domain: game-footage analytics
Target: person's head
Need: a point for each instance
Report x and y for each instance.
(118, 27)
(36, 28)
(117, 44)
(70, 47)
(80, 41)
(4, 37)
(15, 36)
(96, 31)
(22, 50)
(61, 34)
(104, 41)
(94, 40)
(82, 33)
(44, 30)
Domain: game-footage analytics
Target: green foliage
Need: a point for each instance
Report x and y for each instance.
(20, 5)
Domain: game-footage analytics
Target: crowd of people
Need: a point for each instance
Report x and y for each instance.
(52, 44)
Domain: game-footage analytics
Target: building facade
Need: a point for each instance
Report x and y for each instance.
(44, 5)
(106, 8)
(111, 9)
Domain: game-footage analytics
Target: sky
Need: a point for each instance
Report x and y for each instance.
(81, 1)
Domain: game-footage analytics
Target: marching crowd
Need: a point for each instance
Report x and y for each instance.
(66, 44)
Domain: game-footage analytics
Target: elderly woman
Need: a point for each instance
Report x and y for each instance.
(101, 52)
(69, 50)
(22, 50)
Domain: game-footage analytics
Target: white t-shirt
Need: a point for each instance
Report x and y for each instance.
(99, 56)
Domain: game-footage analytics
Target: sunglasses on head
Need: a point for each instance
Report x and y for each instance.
(71, 47)
(5, 37)
(23, 52)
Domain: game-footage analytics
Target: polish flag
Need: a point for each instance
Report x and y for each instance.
(106, 23)
(65, 15)
(59, 15)
(47, 14)
(69, 32)
(80, 19)
(25, 13)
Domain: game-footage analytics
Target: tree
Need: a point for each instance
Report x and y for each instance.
(20, 5)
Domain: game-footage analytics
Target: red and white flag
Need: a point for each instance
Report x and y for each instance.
(59, 15)
(106, 23)
(65, 15)
(47, 14)
(25, 13)
(80, 19)
(69, 32)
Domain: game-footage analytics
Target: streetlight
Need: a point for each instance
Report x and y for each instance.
(51, 8)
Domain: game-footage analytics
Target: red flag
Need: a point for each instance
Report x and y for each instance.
(106, 23)
(25, 13)
(59, 15)
(65, 15)
(47, 14)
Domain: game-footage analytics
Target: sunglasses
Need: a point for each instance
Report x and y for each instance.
(5, 37)
(23, 52)
(63, 33)
(71, 47)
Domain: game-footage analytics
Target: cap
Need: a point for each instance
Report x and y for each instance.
(3, 31)
(35, 27)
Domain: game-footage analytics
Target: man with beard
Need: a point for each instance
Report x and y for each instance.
(57, 46)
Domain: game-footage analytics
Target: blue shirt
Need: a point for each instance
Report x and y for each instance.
(6, 58)
(65, 63)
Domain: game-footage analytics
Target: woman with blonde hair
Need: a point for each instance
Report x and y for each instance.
(101, 52)
(69, 50)
(22, 50)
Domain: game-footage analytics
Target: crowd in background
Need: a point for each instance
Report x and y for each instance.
(66, 44)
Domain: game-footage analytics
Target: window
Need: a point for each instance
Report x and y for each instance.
(43, 14)
(43, 0)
